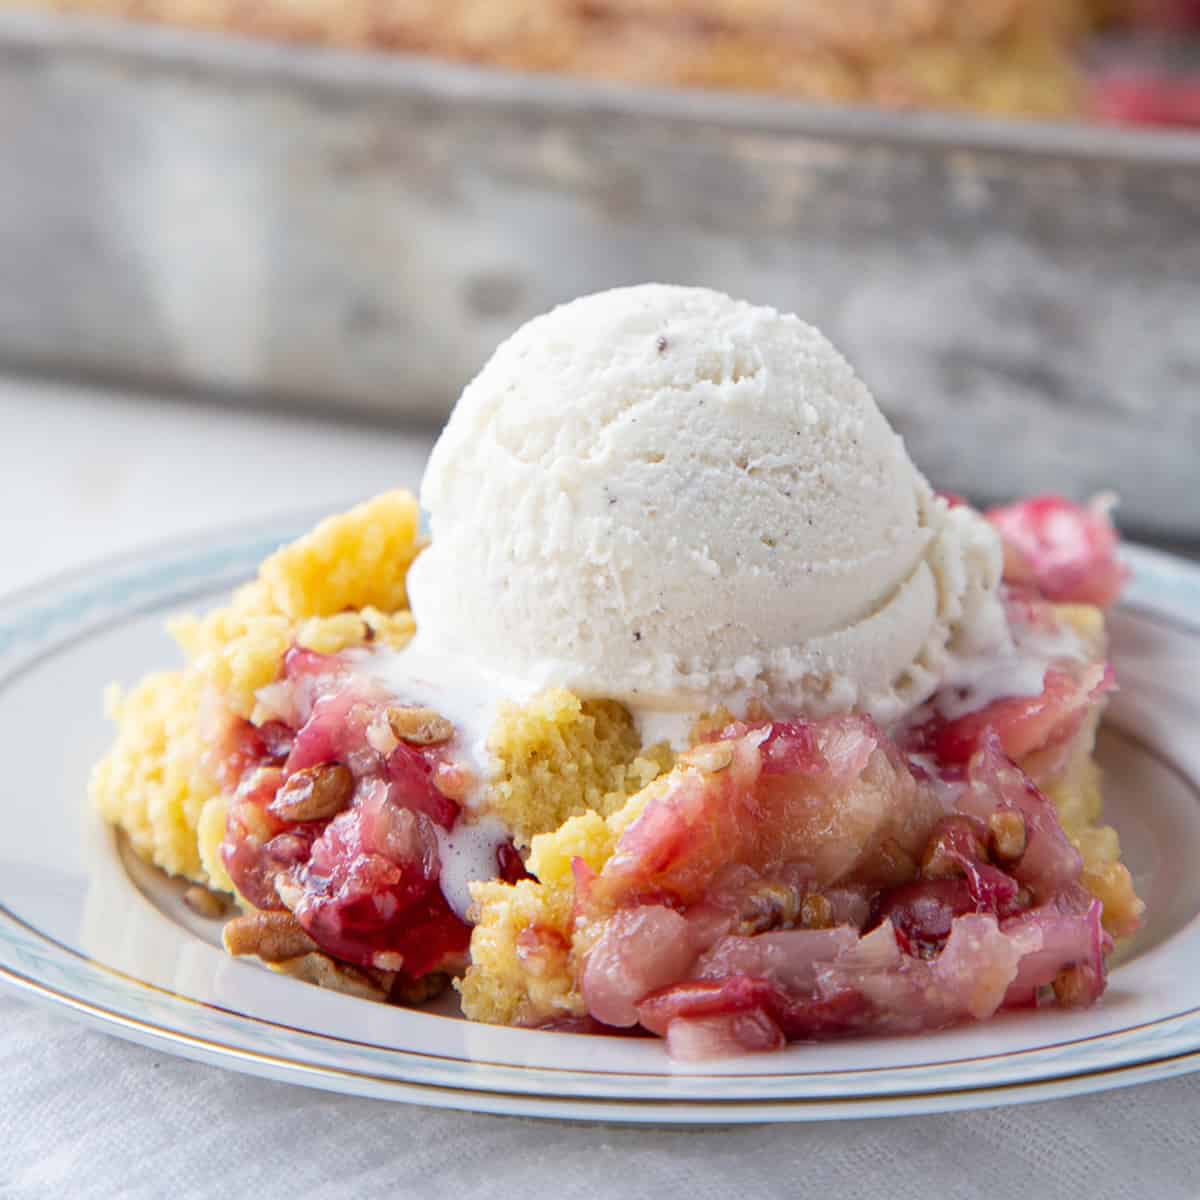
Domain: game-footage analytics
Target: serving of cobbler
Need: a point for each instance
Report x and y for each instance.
(774, 881)
(747, 878)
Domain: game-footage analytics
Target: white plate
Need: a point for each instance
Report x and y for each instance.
(85, 926)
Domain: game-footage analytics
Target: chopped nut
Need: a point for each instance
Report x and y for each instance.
(710, 756)
(418, 991)
(419, 726)
(336, 977)
(1007, 829)
(955, 838)
(272, 936)
(1073, 988)
(816, 912)
(315, 793)
(937, 864)
(388, 960)
(205, 903)
(768, 906)
(895, 864)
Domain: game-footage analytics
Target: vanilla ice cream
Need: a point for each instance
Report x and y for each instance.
(674, 499)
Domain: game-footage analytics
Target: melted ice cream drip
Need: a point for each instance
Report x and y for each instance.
(974, 682)
(470, 699)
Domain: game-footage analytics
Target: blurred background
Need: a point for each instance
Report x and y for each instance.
(314, 220)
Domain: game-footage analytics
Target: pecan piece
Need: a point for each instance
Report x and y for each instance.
(895, 864)
(954, 839)
(816, 912)
(417, 991)
(205, 903)
(1073, 988)
(314, 794)
(272, 936)
(419, 726)
(1006, 834)
(765, 907)
(320, 969)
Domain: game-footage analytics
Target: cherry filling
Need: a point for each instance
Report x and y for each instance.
(510, 866)
(985, 911)
(335, 818)
(1066, 551)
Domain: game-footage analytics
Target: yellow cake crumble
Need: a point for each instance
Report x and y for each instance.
(505, 984)
(558, 756)
(154, 783)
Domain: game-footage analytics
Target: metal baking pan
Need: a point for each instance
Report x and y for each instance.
(324, 228)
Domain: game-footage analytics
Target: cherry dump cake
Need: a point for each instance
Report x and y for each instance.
(712, 720)
(1022, 58)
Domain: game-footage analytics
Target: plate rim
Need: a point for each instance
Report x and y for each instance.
(232, 552)
(627, 1110)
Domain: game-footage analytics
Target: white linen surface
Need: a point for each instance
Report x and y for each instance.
(85, 1115)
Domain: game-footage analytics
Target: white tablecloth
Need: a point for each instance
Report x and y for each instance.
(84, 1115)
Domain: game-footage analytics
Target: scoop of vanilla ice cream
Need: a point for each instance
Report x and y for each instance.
(674, 499)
